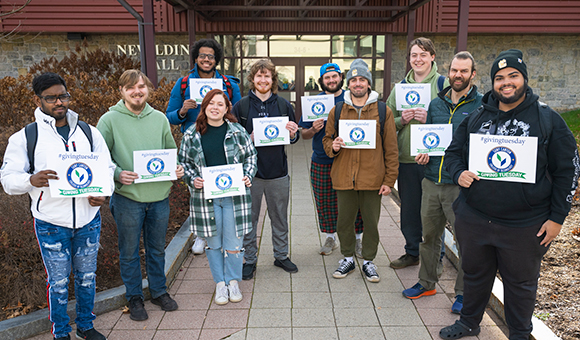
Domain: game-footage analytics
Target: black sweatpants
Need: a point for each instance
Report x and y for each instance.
(516, 252)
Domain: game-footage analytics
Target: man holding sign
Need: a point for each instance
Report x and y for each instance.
(361, 176)
(272, 179)
(68, 229)
(331, 81)
(502, 224)
(451, 106)
(423, 73)
(133, 125)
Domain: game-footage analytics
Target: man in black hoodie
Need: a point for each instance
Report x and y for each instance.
(509, 225)
(272, 179)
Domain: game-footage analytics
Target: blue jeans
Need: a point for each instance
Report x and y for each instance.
(62, 248)
(133, 217)
(225, 266)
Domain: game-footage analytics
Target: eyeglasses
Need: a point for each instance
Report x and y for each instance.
(64, 98)
(208, 56)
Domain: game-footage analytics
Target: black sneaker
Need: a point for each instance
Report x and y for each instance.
(166, 302)
(67, 337)
(137, 309)
(287, 265)
(248, 271)
(90, 334)
(370, 271)
(346, 267)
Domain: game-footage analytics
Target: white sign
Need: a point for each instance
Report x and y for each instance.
(155, 165)
(198, 87)
(432, 139)
(503, 158)
(223, 181)
(271, 131)
(80, 174)
(358, 134)
(411, 96)
(316, 107)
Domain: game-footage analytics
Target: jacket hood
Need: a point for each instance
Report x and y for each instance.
(373, 97)
(270, 100)
(410, 77)
(121, 108)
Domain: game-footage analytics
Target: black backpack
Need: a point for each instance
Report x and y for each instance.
(31, 132)
(382, 116)
(245, 109)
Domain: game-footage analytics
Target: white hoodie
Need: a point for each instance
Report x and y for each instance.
(14, 176)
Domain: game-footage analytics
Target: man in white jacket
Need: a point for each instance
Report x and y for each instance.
(67, 229)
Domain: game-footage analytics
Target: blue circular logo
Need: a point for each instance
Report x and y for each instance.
(357, 134)
(501, 159)
(155, 166)
(271, 131)
(431, 140)
(412, 97)
(79, 175)
(318, 108)
(204, 90)
(223, 181)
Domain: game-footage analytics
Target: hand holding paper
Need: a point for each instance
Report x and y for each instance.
(40, 179)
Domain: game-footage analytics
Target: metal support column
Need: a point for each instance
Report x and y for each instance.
(149, 42)
(191, 33)
(388, 65)
(462, 25)
(411, 17)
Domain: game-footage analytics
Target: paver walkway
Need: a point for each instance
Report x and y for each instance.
(310, 304)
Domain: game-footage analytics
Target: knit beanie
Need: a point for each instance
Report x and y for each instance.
(359, 68)
(509, 58)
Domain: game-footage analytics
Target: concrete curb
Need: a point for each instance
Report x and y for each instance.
(26, 326)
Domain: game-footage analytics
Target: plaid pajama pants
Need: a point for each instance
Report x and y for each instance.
(325, 197)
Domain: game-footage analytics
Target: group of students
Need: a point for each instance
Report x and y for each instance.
(510, 233)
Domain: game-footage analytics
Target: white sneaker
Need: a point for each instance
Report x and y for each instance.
(198, 246)
(234, 290)
(221, 293)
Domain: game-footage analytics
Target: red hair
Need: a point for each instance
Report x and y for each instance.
(201, 121)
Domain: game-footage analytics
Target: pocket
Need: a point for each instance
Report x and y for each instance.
(45, 229)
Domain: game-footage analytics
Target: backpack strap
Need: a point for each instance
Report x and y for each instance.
(337, 111)
(244, 110)
(545, 123)
(87, 130)
(183, 87)
(31, 133)
(473, 117)
(229, 88)
(282, 108)
(440, 83)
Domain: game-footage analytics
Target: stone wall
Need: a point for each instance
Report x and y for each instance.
(553, 60)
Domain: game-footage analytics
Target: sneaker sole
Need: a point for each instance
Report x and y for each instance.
(326, 253)
(425, 293)
(373, 279)
(159, 304)
(221, 303)
(236, 300)
(341, 276)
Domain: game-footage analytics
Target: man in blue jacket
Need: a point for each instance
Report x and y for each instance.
(181, 110)
(450, 107)
(509, 225)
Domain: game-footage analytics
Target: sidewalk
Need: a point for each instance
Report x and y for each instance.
(310, 304)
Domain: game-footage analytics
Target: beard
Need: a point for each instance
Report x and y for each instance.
(136, 108)
(458, 88)
(518, 94)
(358, 93)
(331, 90)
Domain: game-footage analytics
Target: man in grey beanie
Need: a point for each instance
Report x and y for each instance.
(509, 225)
(361, 176)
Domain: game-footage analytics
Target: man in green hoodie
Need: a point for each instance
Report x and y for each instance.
(129, 126)
(424, 70)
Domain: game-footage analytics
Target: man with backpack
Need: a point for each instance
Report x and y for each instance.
(183, 110)
(361, 176)
(508, 225)
(421, 55)
(67, 229)
(272, 179)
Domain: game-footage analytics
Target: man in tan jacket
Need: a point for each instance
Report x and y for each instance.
(361, 175)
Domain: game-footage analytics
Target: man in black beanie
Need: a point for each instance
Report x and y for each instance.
(509, 225)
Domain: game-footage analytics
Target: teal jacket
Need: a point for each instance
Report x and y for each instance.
(125, 132)
(404, 132)
(442, 111)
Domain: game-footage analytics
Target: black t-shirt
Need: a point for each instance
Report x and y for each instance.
(63, 131)
(212, 143)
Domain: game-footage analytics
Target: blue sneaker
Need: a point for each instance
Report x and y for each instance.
(418, 291)
(457, 305)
